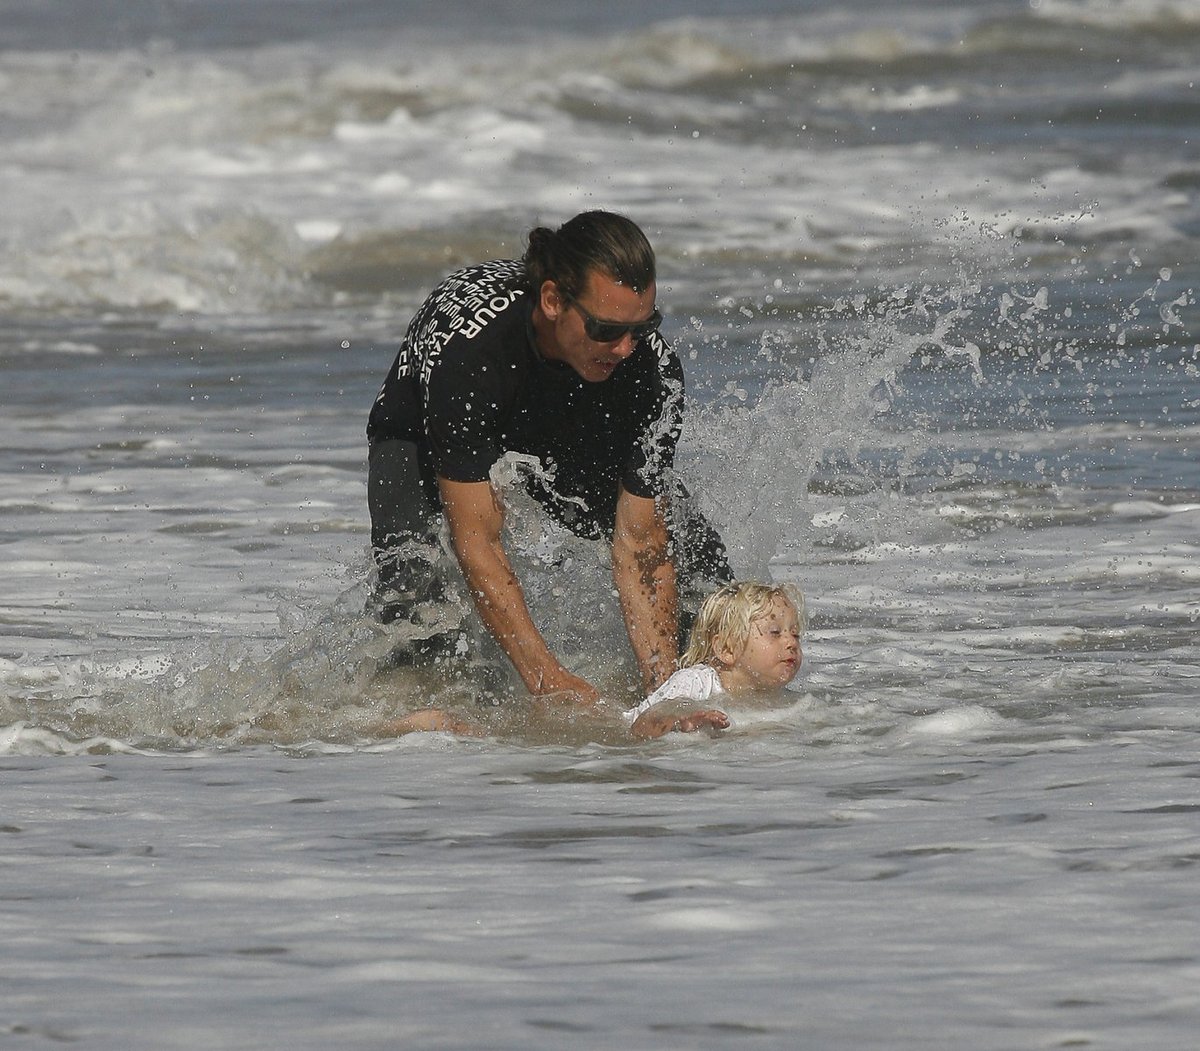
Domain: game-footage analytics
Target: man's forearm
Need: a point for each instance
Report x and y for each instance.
(500, 602)
(475, 516)
(645, 580)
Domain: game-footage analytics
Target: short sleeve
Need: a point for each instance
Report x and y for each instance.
(652, 455)
(697, 683)
(464, 401)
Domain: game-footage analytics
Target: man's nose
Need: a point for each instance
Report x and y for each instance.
(624, 346)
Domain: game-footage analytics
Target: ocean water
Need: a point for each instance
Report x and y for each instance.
(931, 269)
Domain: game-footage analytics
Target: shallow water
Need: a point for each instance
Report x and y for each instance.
(931, 272)
(440, 894)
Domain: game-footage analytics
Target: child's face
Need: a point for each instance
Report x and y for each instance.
(772, 654)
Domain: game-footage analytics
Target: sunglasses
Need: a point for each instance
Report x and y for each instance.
(611, 331)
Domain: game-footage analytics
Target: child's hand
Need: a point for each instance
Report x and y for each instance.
(705, 719)
(657, 724)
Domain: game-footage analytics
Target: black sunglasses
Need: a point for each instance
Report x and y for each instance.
(610, 331)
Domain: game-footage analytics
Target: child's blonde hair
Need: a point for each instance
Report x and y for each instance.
(725, 617)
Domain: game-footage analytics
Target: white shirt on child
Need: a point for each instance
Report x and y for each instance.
(697, 683)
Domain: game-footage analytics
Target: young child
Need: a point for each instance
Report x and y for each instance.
(746, 639)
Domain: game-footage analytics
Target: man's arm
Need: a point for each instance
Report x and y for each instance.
(476, 517)
(645, 579)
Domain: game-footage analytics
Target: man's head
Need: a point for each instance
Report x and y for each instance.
(592, 241)
(594, 289)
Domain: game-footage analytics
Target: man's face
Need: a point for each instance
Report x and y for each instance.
(606, 301)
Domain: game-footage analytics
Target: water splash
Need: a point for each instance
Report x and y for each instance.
(758, 458)
(848, 445)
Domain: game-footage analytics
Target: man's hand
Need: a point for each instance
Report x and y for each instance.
(475, 515)
(562, 686)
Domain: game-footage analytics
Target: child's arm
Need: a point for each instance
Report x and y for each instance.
(657, 722)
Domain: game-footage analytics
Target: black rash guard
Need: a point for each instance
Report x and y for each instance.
(470, 385)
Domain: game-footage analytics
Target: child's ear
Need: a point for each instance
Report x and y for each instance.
(725, 653)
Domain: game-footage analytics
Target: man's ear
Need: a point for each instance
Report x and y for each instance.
(550, 299)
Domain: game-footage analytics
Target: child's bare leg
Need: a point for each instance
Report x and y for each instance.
(430, 720)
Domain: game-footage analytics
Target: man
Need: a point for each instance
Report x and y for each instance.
(556, 356)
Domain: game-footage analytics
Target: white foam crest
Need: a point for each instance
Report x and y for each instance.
(22, 739)
(692, 48)
(968, 722)
(1131, 561)
(57, 346)
(259, 158)
(787, 708)
(1151, 508)
(152, 254)
(717, 918)
(892, 656)
(25, 677)
(1120, 14)
(868, 99)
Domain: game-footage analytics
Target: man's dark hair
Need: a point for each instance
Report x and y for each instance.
(597, 240)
